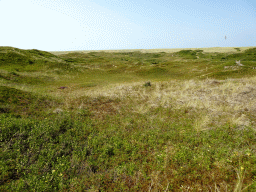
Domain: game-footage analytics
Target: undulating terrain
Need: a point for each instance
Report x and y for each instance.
(128, 120)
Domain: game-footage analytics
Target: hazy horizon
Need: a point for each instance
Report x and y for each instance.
(60, 25)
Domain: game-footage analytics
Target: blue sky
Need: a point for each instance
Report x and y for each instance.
(67, 25)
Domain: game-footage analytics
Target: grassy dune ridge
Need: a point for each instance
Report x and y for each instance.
(192, 129)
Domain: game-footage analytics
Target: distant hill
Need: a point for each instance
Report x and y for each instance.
(29, 60)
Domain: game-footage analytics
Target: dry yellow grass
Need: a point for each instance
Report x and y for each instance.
(219, 101)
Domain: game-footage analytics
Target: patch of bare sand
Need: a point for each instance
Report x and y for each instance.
(208, 49)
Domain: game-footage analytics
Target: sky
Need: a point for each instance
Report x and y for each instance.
(69, 25)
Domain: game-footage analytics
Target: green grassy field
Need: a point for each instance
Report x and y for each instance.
(192, 128)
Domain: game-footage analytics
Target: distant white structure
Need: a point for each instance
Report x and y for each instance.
(238, 63)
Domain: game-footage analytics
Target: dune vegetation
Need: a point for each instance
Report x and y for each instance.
(128, 120)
